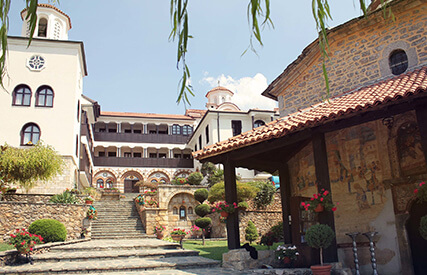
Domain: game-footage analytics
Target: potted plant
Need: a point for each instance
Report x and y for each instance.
(151, 192)
(140, 200)
(320, 202)
(178, 235)
(89, 200)
(320, 236)
(158, 230)
(224, 208)
(92, 213)
(421, 192)
(288, 254)
(24, 241)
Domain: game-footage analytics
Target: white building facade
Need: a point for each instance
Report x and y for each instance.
(45, 102)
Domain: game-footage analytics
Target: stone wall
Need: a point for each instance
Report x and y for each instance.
(359, 53)
(263, 219)
(373, 171)
(21, 214)
(67, 179)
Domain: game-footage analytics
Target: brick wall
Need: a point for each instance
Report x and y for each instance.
(359, 53)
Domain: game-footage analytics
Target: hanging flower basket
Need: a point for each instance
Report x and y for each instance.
(224, 214)
(319, 208)
(178, 238)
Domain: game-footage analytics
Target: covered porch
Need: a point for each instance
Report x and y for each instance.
(349, 138)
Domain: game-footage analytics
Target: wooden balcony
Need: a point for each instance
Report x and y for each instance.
(141, 138)
(143, 162)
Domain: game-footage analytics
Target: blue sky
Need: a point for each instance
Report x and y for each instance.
(132, 64)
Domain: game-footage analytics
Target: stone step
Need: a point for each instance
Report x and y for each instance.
(117, 233)
(117, 265)
(104, 245)
(140, 236)
(67, 256)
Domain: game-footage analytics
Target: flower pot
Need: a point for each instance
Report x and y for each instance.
(224, 214)
(321, 269)
(319, 208)
(178, 238)
(159, 235)
(88, 202)
(286, 260)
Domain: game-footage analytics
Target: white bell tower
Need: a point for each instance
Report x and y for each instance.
(52, 23)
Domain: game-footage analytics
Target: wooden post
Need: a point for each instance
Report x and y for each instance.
(285, 194)
(322, 175)
(421, 113)
(233, 236)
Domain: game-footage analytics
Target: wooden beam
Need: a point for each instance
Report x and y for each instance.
(285, 194)
(233, 236)
(323, 182)
(421, 112)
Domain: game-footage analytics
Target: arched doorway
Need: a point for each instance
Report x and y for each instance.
(130, 180)
(418, 244)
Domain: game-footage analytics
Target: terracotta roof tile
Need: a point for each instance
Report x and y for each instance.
(52, 7)
(350, 102)
(145, 115)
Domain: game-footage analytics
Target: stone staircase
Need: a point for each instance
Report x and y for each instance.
(114, 256)
(117, 220)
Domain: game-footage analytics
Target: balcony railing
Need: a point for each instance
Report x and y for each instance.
(143, 162)
(141, 138)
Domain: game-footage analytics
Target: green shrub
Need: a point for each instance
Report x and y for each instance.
(265, 194)
(268, 239)
(251, 232)
(203, 222)
(278, 231)
(423, 227)
(319, 236)
(243, 204)
(64, 197)
(208, 168)
(195, 178)
(245, 191)
(201, 195)
(202, 210)
(51, 230)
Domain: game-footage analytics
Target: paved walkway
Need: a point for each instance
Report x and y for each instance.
(126, 256)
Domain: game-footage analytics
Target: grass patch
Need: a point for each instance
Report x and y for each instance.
(5, 246)
(215, 249)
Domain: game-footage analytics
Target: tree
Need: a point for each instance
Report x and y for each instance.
(251, 233)
(265, 194)
(258, 14)
(195, 178)
(202, 210)
(26, 166)
(245, 191)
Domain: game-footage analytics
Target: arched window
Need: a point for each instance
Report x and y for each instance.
(258, 123)
(175, 211)
(187, 130)
(109, 183)
(100, 183)
(42, 27)
(176, 129)
(22, 96)
(44, 97)
(153, 180)
(30, 134)
(182, 213)
(190, 210)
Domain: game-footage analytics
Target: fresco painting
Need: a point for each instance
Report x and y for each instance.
(303, 175)
(410, 154)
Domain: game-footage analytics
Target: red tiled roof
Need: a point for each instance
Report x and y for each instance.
(352, 102)
(52, 7)
(219, 88)
(143, 115)
(195, 113)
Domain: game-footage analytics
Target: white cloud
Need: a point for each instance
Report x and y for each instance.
(247, 90)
